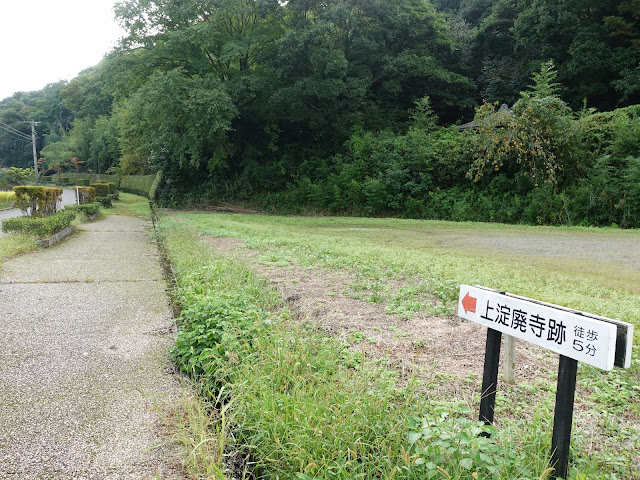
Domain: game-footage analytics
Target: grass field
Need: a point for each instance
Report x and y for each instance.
(413, 268)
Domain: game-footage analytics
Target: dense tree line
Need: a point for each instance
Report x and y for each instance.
(351, 106)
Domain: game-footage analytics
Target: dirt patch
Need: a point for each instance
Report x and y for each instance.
(426, 346)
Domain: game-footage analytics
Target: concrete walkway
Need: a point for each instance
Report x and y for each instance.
(84, 357)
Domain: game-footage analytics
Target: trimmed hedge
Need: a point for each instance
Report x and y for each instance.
(85, 195)
(144, 185)
(104, 188)
(37, 201)
(41, 226)
(87, 209)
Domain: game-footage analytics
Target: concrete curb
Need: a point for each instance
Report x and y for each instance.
(58, 237)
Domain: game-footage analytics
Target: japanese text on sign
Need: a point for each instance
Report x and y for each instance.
(569, 334)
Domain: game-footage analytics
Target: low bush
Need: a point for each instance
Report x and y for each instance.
(37, 201)
(40, 226)
(105, 201)
(103, 188)
(87, 209)
(216, 331)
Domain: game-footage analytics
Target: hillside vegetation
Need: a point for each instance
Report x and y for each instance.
(351, 107)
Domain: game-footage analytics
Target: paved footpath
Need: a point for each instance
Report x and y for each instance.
(86, 328)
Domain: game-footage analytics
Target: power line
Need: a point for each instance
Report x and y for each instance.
(13, 131)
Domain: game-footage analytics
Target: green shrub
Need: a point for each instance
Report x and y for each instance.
(64, 181)
(85, 195)
(40, 226)
(102, 188)
(85, 182)
(87, 209)
(37, 201)
(74, 178)
(105, 201)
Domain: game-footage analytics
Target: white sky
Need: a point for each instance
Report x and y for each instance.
(44, 41)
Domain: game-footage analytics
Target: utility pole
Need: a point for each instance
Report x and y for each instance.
(33, 144)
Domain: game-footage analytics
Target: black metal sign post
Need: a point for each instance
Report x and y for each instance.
(576, 336)
(490, 376)
(563, 415)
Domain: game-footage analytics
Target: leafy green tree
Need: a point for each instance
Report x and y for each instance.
(178, 124)
(539, 139)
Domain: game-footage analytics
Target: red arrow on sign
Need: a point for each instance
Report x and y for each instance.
(469, 303)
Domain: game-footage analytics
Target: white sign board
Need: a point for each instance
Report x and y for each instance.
(570, 334)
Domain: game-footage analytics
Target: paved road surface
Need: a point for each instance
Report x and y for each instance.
(83, 358)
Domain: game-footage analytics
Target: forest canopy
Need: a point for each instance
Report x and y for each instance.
(353, 107)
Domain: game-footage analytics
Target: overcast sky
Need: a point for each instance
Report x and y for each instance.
(44, 41)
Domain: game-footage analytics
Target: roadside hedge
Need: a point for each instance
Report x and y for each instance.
(144, 185)
(41, 226)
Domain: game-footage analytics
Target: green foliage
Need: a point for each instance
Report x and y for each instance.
(40, 226)
(539, 139)
(85, 195)
(102, 189)
(139, 184)
(339, 107)
(461, 448)
(88, 209)
(37, 201)
(7, 199)
(215, 332)
(106, 201)
(179, 124)
(15, 176)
